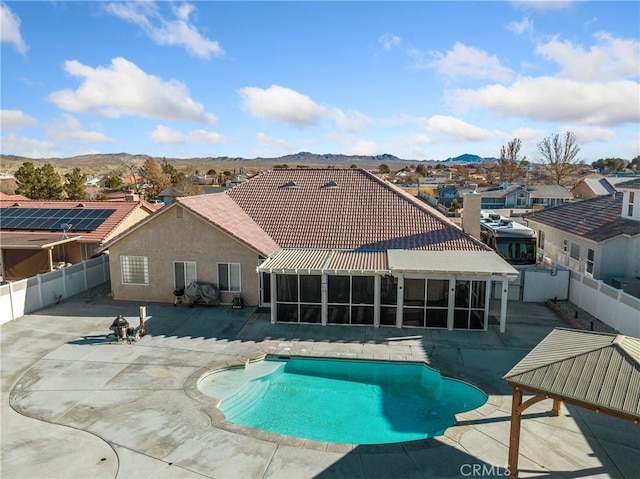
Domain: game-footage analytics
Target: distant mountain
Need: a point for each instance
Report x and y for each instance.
(102, 163)
(468, 158)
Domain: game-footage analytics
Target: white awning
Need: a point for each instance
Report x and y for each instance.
(338, 262)
(485, 263)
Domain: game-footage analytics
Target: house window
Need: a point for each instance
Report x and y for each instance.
(590, 258)
(565, 245)
(229, 277)
(184, 273)
(540, 239)
(575, 251)
(630, 208)
(135, 269)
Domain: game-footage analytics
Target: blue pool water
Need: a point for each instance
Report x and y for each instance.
(343, 401)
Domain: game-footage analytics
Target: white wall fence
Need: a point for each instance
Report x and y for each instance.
(612, 306)
(28, 295)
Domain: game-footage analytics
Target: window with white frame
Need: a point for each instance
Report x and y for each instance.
(135, 269)
(565, 245)
(540, 239)
(184, 273)
(630, 208)
(229, 277)
(590, 259)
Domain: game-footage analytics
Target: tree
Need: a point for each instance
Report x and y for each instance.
(27, 180)
(50, 183)
(169, 169)
(75, 184)
(455, 206)
(42, 183)
(384, 169)
(559, 156)
(421, 170)
(635, 163)
(610, 164)
(511, 165)
(154, 178)
(113, 181)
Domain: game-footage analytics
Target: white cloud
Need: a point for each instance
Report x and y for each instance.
(527, 135)
(167, 135)
(29, 147)
(123, 88)
(389, 41)
(68, 128)
(469, 62)
(589, 134)
(273, 142)
(10, 29)
(351, 121)
(611, 58)
(456, 129)
(521, 28)
(283, 104)
(12, 119)
(557, 99)
(178, 31)
(355, 146)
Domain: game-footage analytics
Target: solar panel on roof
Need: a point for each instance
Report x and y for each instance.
(52, 219)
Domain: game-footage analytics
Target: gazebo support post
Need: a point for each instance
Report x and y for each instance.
(555, 411)
(514, 434)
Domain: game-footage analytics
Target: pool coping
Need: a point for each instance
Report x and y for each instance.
(219, 421)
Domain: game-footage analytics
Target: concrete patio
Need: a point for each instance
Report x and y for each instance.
(77, 404)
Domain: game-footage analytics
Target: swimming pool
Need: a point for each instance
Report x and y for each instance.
(342, 401)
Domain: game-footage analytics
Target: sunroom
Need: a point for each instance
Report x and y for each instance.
(393, 288)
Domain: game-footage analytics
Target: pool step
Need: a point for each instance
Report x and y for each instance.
(252, 392)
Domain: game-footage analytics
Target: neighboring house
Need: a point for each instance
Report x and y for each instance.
(37, 236)
(592, 187)
(508, 196)
(323, 246)
(599, 236)
(524, 196)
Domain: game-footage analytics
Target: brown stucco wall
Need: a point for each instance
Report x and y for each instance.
(168, 238)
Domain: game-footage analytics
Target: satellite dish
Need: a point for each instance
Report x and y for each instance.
(65, 227)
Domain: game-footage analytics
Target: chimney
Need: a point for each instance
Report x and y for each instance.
(132, 197)
(471, 214)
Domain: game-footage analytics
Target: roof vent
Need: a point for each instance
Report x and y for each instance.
(16, 204)
(80, 205)
(289, 185)
(330, 184)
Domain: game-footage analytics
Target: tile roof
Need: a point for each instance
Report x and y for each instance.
(633, 184)
(596, 368)
(223, 212)
(122, 210)
(344, 209)
(597, 219)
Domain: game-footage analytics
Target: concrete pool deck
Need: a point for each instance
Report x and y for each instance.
(77, 404)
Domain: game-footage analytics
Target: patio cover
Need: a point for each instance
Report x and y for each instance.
(335, 262)
(596, 371)
(452, 262)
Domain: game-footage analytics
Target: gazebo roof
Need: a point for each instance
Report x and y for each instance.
(596, 370)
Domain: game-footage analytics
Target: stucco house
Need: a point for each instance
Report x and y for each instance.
(596, 186)
(507, 195)
(599, 236)
(323, 246)
(37, 236)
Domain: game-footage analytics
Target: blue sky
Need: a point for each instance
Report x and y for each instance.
(419, 80)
